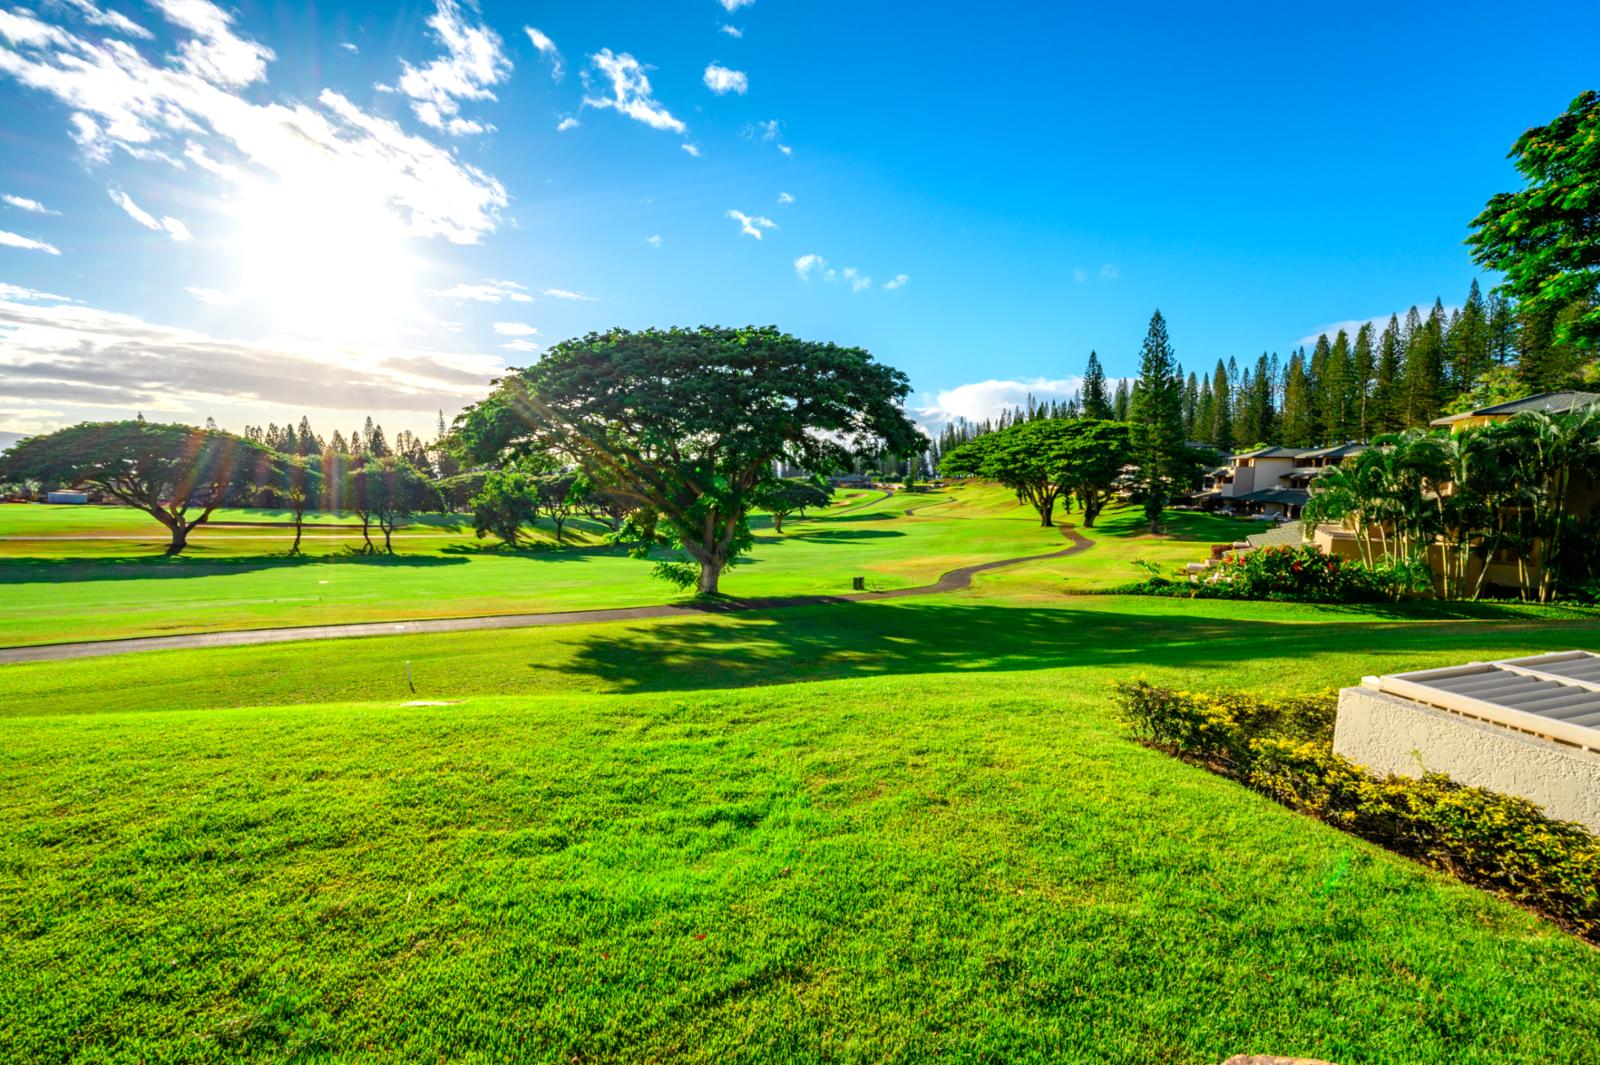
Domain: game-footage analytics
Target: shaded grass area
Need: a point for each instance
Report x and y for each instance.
(976, 867)
(1269, 645)
(80, 590)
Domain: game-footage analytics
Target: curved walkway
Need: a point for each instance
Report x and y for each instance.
(953, 581)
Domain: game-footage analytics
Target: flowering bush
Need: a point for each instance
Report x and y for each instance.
(1303, 573)
(1284, 749)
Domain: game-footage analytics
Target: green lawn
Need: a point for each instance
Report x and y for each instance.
(69, 590)
(897, 831)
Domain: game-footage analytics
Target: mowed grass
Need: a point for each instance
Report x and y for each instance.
(81, 589)
(966, 864)
(902, 831)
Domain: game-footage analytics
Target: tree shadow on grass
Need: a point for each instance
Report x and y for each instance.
(148, 567)
(839, 534)
(849, 639)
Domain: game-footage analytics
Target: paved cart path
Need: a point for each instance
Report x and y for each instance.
(953, 581)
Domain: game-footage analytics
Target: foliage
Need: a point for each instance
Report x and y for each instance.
(1047, 461)
(167, 471)
(1283, 748)
(793, 496)
(507, 501)
(1302, 573)
(1156, 413)
(387, 491)
(690, 423)
(1544, 238)
(299, 486)
(1468, 495)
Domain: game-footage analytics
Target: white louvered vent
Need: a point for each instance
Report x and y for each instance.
(1556, 696)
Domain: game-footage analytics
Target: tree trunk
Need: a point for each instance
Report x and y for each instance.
(777, 522)
(180, 538)
(366, 534)
(710, 570)
(299, 525)
(1046, 511)
(388, 530)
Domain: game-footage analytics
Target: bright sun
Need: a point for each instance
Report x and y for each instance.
(326, 263)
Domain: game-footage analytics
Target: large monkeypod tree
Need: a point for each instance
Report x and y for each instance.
(690, 424)
(175, 473)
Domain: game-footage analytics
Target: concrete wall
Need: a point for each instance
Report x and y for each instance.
(1389, 735)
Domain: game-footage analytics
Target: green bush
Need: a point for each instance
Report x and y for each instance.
(1283, 749)
(1302, 573)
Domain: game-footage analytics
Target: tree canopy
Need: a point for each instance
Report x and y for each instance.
(1546, 237)
(175, 473)
(690, 422)
(1156, 411)
(1047, 461)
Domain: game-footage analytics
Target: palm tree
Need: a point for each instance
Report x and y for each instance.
(1556, 447)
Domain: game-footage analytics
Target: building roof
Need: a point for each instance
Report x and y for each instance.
(1337, 451)
(1271, 453)
(1288, 534)
(1308, 471)
(1551, 402)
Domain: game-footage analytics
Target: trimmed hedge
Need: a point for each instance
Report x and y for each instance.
(1284, 750)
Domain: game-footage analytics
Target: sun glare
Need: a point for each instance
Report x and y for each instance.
(326, 263)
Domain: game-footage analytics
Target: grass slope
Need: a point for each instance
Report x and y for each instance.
(886, 869)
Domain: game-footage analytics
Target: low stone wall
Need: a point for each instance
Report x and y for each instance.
(1390, 735)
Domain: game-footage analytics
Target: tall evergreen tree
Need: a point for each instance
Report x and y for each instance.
(1426, 389)
(1388, 380)
(1222, 415)
(1157, 422)
(1316, 386)
(1120, 406)
(1191, 404)
(1296, 430)
(1363, 367)
(1096, 396)
(1469, 342)
(1205, 414)
(1337, 393)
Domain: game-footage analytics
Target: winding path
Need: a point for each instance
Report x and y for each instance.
(953, 581)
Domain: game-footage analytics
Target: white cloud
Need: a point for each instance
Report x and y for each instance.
(566, 123)
(568, 294)
(730, 6)
(87, 357)
(474, 61)
(767, 132)
(18, 292)
(785, 149)
(520, 345)
(692, 149)
(784, 199)
(96, 16)
(654, 240)
(215, 297)
(171, 226)
(490, 291)
(807, 265)
(14, 240)
(22, 203)
(732, 31)
(1110, 272)
(751, 226)
(897, 281)
(986, 399)
(858, 280)
(721, 80)
(630, 91)
(357, 162)
(215, 53)
(514, 329)
(1352, 326)
(351, 48)
(548, 49)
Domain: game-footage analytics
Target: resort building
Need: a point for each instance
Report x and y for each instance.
(1272, 481)
(1549, 402)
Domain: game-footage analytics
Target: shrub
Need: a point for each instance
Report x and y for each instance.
(1283, 749)
(1303, 573)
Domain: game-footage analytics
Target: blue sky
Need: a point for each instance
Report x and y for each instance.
(258, 211)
